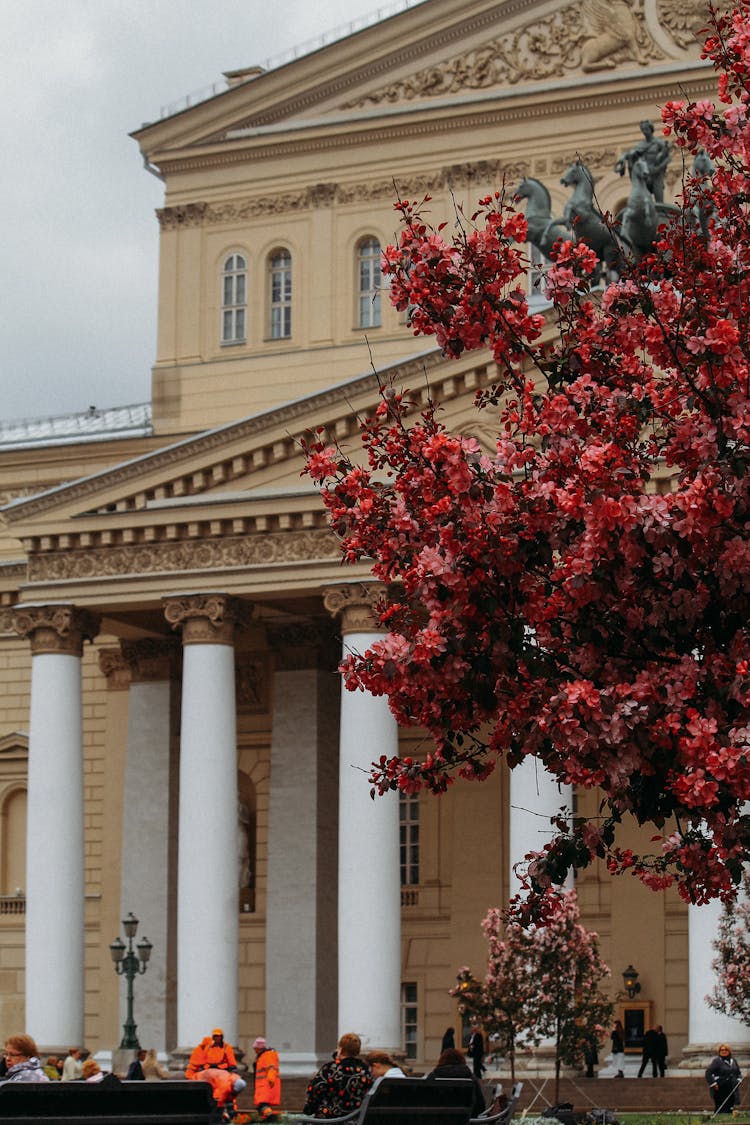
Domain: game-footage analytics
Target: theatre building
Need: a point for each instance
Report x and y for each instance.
(173, 737)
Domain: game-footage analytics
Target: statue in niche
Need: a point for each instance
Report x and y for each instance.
(656, 152)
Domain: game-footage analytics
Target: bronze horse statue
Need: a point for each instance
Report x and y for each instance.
(543, 231)
(588, 223)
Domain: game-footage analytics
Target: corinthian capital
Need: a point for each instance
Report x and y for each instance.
(58, 629)
(354, 604)
(206, 619)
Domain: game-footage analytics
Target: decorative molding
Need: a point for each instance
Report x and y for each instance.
(252, 683)
(683, 19)
(181, 216)
(333, 401)
(206, 619)
(229, 553)
(115, 668)
(149, 660)
(354, 603)
(6, 620)
(59, 629)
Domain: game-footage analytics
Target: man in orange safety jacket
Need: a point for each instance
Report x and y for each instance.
(212, 1053)
(267, 1090)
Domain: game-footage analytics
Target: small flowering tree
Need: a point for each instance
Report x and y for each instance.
(552, 597)
(572, 1009)
(731, 994)
(542, 982)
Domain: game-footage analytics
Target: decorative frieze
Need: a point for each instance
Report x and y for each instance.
(206, 619)
(354, 603)
(228, 553)
(181, 216)
(58, 629)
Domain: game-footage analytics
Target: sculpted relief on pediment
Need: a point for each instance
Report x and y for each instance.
(584, 37)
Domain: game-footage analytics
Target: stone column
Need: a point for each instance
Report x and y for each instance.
(146, 823)
(55, 847)
(535, 796)
(301, 911)
(369, 921)
(208, 863)
(707, 1027)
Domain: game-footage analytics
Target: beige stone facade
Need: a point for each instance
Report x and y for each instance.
(282, 182)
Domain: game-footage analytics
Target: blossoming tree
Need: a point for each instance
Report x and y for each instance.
(731, 965)
(582, 593)
(542, 982)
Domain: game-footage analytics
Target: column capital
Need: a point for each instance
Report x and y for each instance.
(57, 628)
(112, 665)
(149, 660)
(354, 603)
(206, 619)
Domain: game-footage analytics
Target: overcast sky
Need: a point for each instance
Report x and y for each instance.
(80, 239)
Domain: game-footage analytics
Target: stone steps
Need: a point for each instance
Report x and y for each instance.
(625, 1095)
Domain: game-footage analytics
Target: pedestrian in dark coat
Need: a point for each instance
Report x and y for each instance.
(449, 1039)
(662, 1050)
(650, 1051)
(723, 1077)
(475, 1051)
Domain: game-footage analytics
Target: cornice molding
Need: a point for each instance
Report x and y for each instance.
(526, 104)
(330, 404)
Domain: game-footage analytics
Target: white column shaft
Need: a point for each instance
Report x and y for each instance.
(207, 891)
(55, 855)
(369, 929)
(535, 796)
(707, 1026)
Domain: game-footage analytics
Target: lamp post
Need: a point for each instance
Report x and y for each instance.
(129, 966)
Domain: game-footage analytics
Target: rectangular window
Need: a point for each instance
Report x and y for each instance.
(409, 1019)
(408, 810)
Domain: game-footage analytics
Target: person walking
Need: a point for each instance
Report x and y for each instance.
(475, 1051)
(650, 1052)
(618, 1049)
(662, 1050)
(449, 1039)
(724, 1077)
(266, 1080)
(135, 1070)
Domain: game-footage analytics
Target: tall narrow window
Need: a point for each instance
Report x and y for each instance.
(280, 294)
(409, 838)
(368, 268)
(234, 300)
(409, 1019)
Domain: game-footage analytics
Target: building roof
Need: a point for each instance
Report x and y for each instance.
(108, 424)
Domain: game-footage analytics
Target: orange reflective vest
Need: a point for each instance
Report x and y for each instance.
(206, 1055)
(267, 1082)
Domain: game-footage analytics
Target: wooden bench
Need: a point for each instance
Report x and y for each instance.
(171, 1102)
(405, 1101)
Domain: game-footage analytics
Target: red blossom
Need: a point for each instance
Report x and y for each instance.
(581, 593)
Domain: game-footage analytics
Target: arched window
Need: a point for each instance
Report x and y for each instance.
(368, 274)
(234, 300)
(13, 828)
(280, 294)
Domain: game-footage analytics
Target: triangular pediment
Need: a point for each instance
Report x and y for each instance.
(432, 52)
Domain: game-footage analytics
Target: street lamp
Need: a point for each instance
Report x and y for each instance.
(128, 965)
(630, 978)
